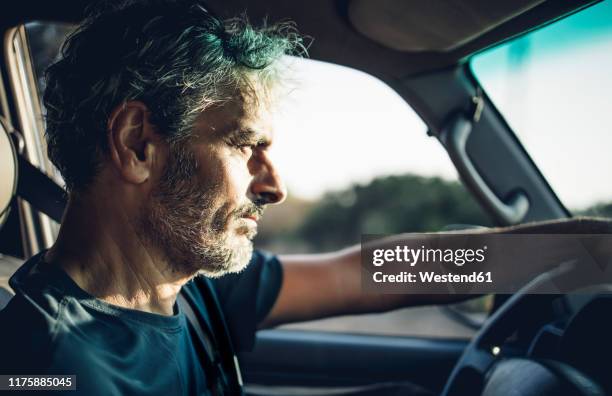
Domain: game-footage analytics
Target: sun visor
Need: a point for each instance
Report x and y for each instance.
(422, 25)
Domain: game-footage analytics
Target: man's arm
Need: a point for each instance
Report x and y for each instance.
(322, 285)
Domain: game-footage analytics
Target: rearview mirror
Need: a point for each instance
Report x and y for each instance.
(8, 172)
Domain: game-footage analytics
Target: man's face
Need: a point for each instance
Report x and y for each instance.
(204, 210)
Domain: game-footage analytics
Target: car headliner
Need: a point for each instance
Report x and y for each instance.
(336, 38)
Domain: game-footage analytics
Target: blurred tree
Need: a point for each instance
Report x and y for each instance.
(389, 205)
(598, 210)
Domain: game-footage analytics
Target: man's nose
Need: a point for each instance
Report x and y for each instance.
(267, 186)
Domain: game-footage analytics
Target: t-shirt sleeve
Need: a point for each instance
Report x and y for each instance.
(247, 297)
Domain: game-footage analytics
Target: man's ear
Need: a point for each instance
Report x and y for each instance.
(132, 141)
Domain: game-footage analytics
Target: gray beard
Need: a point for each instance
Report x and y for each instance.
(180, 220)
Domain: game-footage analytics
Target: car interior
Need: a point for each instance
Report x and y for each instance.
(528, 344)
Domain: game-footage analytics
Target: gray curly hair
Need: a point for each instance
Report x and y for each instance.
(174, 56)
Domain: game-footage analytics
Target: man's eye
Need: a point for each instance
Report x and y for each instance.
(245, 148)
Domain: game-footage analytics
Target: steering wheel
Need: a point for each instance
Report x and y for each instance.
(487, 368)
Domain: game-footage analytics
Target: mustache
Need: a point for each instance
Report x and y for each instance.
(251, 209)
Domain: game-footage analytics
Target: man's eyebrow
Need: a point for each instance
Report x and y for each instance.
(248, 135)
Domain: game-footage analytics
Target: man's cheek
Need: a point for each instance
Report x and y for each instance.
(238, 179)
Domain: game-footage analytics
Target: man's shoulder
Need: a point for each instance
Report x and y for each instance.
(33, 343)
(110, 353)
(41, 331)
(28, 326)
(52, 337)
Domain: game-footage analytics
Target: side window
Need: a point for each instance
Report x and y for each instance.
(356, 159)
(553, 88)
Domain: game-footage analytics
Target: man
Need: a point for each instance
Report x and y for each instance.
(158, 118)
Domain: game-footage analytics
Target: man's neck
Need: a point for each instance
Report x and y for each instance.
(103, 252)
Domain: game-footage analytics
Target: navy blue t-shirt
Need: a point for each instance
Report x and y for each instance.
(52, 326)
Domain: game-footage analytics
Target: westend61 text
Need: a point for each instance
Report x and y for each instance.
(432, 277)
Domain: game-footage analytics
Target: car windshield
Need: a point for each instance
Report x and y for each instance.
(552, 86)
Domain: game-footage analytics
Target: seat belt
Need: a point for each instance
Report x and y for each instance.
(40, 190)
(221, 329)
(216, 379)
(225, 361)
(193, 320)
